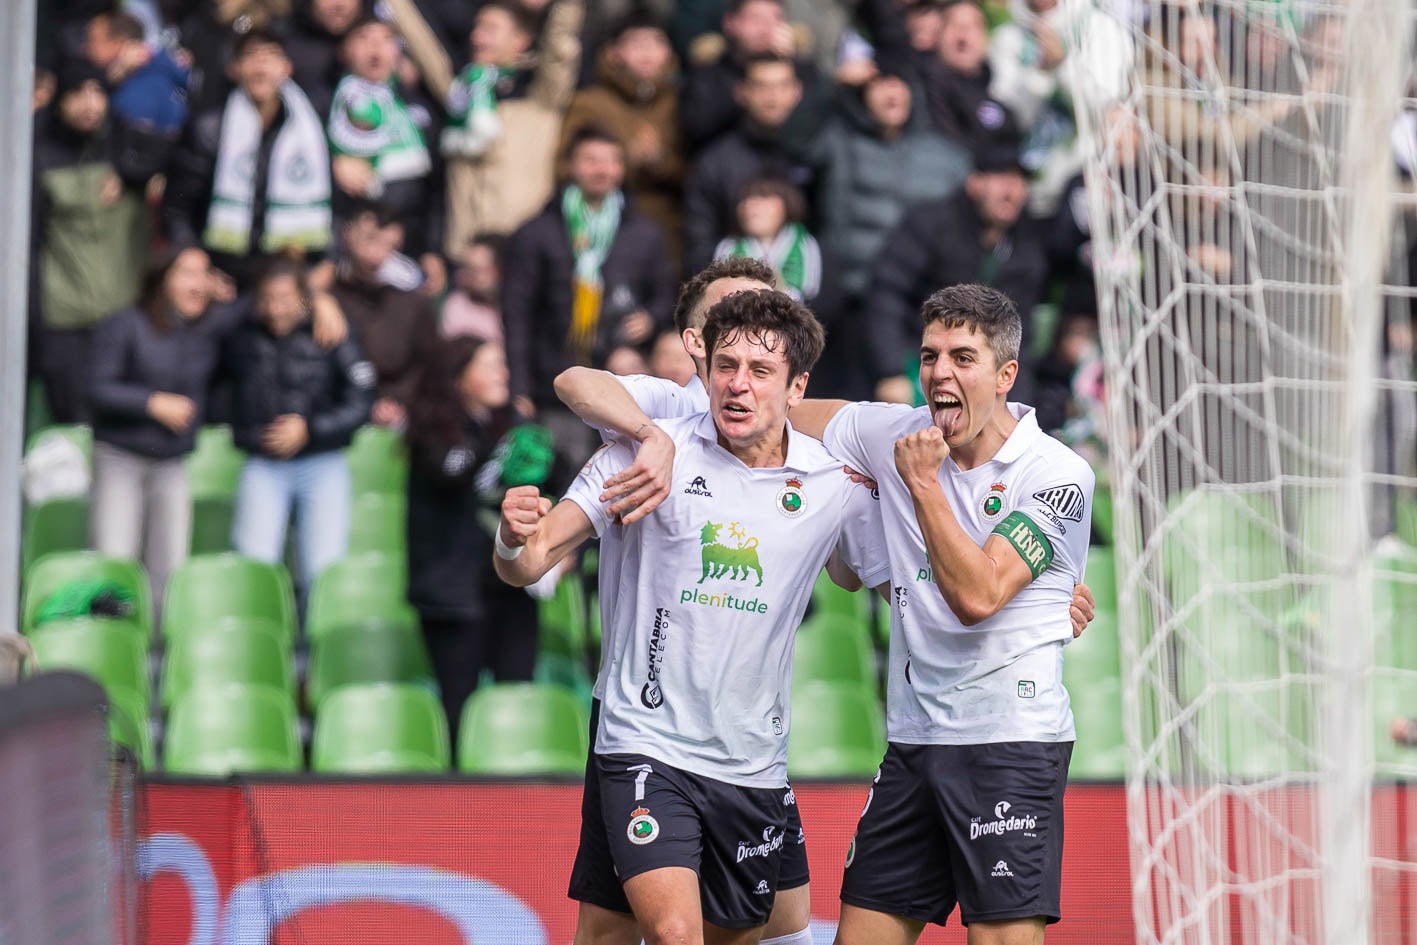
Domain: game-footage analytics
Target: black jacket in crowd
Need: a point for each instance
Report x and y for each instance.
(332, 389)
(708, 104)
(537, 281)
(132, 358)
(314, 56)
(937, 244)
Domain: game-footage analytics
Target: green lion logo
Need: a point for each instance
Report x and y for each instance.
(722, 560)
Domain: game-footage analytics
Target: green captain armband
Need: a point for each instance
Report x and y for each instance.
(1028, 540)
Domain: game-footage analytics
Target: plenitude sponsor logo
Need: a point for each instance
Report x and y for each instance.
(733, 557)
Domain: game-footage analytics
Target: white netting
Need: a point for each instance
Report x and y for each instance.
(1250, 234)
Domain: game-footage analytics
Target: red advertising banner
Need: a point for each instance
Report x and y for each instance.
(455, 862)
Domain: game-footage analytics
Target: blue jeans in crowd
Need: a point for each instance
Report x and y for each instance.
(318, 485)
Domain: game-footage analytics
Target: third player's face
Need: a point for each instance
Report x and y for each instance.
(751, 388)
(961, 381)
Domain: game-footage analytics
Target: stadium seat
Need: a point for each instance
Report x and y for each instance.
(1099, 754)
(213, 475)
(378, 523)
(1102, 512)
(1393, 697)
(54, 525)
(113, 652)
(1101, 577)
(80, 434)
(1406, 526)
(359, 587)
(233, 728)
(377, 461)
(53, 571)
(1254, 730)
(366, 652)
(839, 625)
(380, 728)
(207, 587)
(523, 729)
(827, 598)
(838, 731)
(227, 650)
(557, 670)
(1094, 655)
(128, 725)
(563, 618)
(833, 652)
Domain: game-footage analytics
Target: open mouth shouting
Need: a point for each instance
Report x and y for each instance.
(947, 410)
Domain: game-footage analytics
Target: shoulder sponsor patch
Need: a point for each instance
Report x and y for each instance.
(1028, 540)
(1065, 501)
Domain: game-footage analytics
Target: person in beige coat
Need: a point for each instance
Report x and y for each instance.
(505, 112)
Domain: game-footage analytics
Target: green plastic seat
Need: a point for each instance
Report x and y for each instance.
(1102, 513)
(563, 619)
(523, 729)
(208, 587)
(1100, 754)
(838, 731)
(838, 625)
(1392, 698)
(557, 670)
(367, 652)
(53, 571)
(359, 587)
(212, 516)
(228, 650)
(113, 652)
(827, 598)
(1094, 656)
(1101, 577)
(1226, 544)
(214, 476)
(52, 526)
(1406, 524)
(381, 728)
(80, 434)
(833, 652)
(378, 523)
(377, 461)
(233, 728)
(128, 725)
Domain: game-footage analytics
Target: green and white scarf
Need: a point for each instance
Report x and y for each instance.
(474, 124)
(369, 120)
(793, 254)
(592, 233)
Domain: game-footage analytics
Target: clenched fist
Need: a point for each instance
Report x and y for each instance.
(919, 456)
(523, 508)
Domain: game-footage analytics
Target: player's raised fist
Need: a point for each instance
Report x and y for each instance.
(523, 508)
(919, 455)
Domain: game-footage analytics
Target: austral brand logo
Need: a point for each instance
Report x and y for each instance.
(1066, 502)
(1003, 822)
(1001, 868)
(651, 696)
(733, 557)
(642, 828)
(698, 486)
(993, 504)
(790, 501)
(772, 842)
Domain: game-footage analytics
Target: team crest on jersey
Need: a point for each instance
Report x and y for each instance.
(642, 828)
(790, 501)
(993, 505)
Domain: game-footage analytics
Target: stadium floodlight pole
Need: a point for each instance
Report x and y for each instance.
(17, 40)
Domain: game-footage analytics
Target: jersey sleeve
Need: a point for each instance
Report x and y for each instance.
(1050, 527)
(590, 483)
(862, 545)
(861, 435)
(660, 399)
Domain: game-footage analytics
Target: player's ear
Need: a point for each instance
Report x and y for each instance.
(693, 343)
(797, 389)
(1008, 374)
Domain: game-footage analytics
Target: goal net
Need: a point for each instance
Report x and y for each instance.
(1251, 227)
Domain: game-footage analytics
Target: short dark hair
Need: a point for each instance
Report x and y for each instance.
(522, 18)
(257, 36)
(691, 296)
(384, 214)
(367, 19)
(979, 308)
(768, 312)
(592, 132)
(766, 58)
(775, 185)
(736, 6)
(122, 25)
(636, 19)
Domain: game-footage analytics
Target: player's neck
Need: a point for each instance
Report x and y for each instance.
(770, 452)
(987, 444)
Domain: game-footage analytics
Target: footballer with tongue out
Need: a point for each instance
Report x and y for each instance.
(987, 525)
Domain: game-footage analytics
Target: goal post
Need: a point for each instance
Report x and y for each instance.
(1249, 238)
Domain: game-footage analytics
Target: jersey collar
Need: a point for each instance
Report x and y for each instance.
(1023, 435)
(798, 444)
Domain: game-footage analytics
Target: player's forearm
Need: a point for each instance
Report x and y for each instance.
(968, 579)
(842, 575)
(529, 566)
(598, 399)
(812, 416)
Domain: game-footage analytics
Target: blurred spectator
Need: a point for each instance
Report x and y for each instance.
(472, 308)
(588, 275)
(152, 367)
(770, 212)
(626, 361)
(252, 176)
(669, 360)
(212, 31)
(752, 29)
(463, 449)
(636, 98)
(504, 118)
(1075, 344)
(376, 145)
(978, 235)
(603, 19)
(313, 35)
(296, 406)
(394, 327)
(149, 85)
(88, 236)
(769, 91)
(958, 81)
